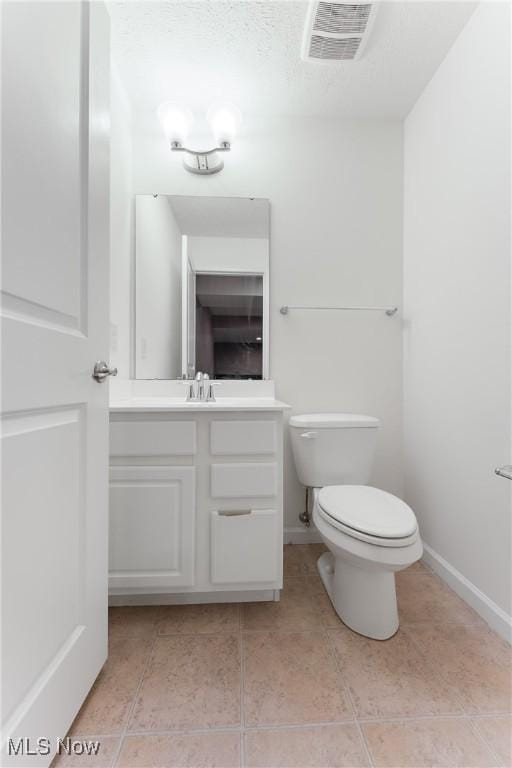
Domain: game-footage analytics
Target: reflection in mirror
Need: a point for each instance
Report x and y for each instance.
(202, 276)
(229, 325)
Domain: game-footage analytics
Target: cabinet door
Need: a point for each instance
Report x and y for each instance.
(152, 527)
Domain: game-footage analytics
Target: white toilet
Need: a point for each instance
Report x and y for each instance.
(370, 533)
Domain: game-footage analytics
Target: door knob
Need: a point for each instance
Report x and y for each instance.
(102, 370)
(505, 471)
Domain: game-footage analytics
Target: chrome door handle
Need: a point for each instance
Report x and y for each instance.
(505, 471)
(102, 370)
(309, 435)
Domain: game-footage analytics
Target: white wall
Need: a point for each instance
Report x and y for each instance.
(335, 190)
(158, 289)
(457, 307)
(121, 228)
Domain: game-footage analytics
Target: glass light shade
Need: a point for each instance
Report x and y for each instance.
(175, 120)
(224, 121)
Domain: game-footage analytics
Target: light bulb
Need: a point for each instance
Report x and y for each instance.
(175, 120)
(224, 120)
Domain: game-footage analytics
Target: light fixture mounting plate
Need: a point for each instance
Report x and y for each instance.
(203, 164)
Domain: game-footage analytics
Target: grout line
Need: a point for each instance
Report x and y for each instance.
(242, 689)
(366, 746)
(423, 716)
(297, 726)
(293, 726)
(344, 687)
(481, 737)
(135, 697)
(184, 731)
(348, 693)
(283, 631)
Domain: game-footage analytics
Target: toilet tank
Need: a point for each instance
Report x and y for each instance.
(333, 448)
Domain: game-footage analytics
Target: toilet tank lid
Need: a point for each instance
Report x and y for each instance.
(333, 421)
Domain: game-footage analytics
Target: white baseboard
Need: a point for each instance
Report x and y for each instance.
(495, 616)
(302, 535)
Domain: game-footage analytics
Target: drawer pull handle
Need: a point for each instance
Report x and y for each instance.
(234, 512)
(309, 435)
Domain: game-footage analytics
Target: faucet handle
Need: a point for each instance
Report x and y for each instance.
(211, 395)
(199, 376)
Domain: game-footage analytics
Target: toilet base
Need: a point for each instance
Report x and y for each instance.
(365, 600)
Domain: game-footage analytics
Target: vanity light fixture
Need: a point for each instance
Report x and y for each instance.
(224, 121)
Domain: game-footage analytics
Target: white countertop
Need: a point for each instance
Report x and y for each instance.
(175, 404)
(138, 395)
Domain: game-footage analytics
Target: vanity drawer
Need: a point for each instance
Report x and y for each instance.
(152, 438)
(243, 437)
(245, 547)
(243, 480)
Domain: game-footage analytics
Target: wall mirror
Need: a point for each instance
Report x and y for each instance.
(201, 287)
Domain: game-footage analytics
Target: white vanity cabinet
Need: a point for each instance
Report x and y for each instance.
(195, 504)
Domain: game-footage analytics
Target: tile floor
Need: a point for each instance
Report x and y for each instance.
(264, 685)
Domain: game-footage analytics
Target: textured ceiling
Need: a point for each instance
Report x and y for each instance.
(248, 52)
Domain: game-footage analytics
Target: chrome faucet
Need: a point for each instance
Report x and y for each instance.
(201, 390)
(200, 386)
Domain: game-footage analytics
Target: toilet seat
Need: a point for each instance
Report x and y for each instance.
(368, 514)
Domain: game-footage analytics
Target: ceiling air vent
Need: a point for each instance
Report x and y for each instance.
(337, 31)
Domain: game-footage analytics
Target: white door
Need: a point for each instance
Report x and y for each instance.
(55, 217)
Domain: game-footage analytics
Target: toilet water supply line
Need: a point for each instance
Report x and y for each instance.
(304, 516)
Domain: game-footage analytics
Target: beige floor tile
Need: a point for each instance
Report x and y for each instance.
(186, 750)
(326, 746)
(414, 570)
(475, 661)
(199, 619)
(328, 615)
(103, 759)
(497, 732)
(444, 743)
(191, 682)
(291, 678)
(295, 560)
(423, 597)
(312, 553)
(108, 704)
(132, 621)
(314, 583)
(295, 610)
(389, 678)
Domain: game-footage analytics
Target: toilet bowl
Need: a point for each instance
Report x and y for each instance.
(358, 572)
(370, 534)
